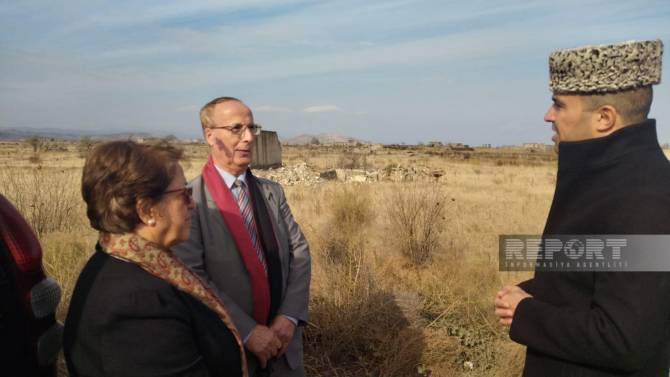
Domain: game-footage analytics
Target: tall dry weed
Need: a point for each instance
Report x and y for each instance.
(417, 216)
(344, 235)
(363, 333)
(358, 328)
(49, 199)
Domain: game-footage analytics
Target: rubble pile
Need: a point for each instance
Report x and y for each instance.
(408, 173)
(301, 174)
(350, 175)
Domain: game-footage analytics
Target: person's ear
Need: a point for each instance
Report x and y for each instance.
(606, 119)
(146, 211)
(209, 137)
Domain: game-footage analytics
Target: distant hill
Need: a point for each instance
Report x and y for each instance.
(59, 133)
(323, 138)
(69, 134)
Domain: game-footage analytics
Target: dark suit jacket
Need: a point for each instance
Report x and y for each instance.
(602, 323)
(124, 321)
(211, 251)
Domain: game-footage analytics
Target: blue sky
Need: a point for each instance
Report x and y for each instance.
(388, 71)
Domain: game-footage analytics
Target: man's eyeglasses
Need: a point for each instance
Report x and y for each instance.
(186, 193)
(240, 129)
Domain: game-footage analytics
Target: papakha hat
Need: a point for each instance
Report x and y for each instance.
(605, 68)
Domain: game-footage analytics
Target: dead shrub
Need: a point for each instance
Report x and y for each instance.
(350, 214)
(359, 330)
(49, 199)
(417, 216)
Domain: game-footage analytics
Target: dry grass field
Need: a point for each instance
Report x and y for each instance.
(403, 272)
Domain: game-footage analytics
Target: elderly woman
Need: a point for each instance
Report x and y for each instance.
(136, 309)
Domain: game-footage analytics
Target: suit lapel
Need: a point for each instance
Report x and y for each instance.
(270, 201)
(272, 204)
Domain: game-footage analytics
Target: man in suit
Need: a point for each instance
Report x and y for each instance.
(613, 179)
(246, 243)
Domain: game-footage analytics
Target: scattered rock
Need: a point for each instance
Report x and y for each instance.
(328, 175)
(301, 174)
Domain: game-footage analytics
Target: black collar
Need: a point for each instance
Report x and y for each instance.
(593, 153)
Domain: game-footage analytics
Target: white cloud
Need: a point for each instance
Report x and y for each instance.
(271, 109)
(150, 64)
(118, 15)
(321, 109)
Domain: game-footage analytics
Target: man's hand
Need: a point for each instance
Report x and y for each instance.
(506, 302)
(264, 344)
(283, 329)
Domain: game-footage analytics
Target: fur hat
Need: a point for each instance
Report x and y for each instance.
(605, 68)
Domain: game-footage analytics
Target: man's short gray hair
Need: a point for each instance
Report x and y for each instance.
(206, 111)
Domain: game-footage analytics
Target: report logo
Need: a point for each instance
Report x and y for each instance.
(584, 253)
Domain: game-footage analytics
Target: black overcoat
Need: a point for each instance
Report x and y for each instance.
(602, 323)
(124, 321)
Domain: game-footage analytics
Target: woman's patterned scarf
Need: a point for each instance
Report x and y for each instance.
(162, 264)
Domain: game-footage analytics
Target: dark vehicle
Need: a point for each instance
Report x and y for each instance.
(30, 336)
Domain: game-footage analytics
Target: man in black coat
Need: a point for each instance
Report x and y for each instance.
(613, 178)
